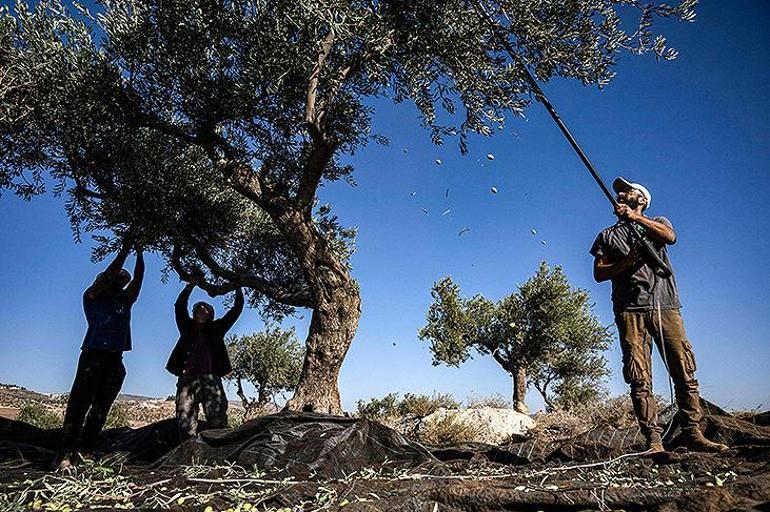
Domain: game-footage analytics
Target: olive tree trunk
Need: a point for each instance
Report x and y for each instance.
(519, 375)
(336, 311)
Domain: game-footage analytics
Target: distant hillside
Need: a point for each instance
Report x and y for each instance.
(141, 409)
(135, 398)
(17, 396)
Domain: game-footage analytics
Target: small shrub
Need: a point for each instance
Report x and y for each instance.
(378, 408)
(424, 405)
(235, 419)
(171, 398)
(118, 416)
(390, 406)
(39, 416)
(448, 430)
(497, 401)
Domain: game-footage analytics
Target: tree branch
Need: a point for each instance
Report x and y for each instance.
(322, 150)
(292, 296)
(211, 289)
(312, 88)
(355, 63)
(81, 189)
(243, 180)
(205, 139)
(504, 363)
(312, 173)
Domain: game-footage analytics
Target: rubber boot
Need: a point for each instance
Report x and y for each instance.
(695, 441)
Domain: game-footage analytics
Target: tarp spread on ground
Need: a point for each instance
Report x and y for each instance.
(581, 473)
(302, 445)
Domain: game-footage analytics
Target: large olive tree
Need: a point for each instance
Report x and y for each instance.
(205, 127)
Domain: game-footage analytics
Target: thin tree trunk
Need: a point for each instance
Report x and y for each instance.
(247, 404)
(543, 390)
(520, 390)
(262, 397)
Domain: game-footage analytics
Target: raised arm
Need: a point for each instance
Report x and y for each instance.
(227, 321)
(658, 228)
(604, 270)
(103, 280)
(181, 307)
(135, 285)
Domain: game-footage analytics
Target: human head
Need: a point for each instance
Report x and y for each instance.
(202, 312)
(632, 194)
(115, 282)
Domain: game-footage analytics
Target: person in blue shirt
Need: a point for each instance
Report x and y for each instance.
(100, 372)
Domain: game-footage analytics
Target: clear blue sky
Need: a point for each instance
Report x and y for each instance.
(695, 131)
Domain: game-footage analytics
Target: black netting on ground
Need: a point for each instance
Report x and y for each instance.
(302, 445)
(306, 444)
(19, 440)
(581, 473)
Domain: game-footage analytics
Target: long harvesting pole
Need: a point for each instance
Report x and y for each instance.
(658, 264)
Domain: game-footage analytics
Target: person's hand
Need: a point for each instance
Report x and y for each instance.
(633, 259)
(625, 212)
(127, 243)
(196, 277)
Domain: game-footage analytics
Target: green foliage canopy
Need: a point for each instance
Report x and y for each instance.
(546, 327)
(271, 360)
(204, 128)
(202, 121)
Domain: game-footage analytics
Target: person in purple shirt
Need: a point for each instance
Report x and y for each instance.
(200, 360)
(100, 373)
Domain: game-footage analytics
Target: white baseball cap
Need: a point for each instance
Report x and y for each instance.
(621, 184)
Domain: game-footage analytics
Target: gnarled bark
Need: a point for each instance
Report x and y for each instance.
(332, 328)
(336, 311)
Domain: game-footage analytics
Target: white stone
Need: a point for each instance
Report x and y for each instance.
(492, 425)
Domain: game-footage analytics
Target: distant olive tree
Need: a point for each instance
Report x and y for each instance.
(212, 125)
(544, 334)
(271, 360)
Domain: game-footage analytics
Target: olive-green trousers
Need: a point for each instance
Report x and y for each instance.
(636, 330)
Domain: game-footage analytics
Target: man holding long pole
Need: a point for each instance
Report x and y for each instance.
(646, 307)
(633, 255)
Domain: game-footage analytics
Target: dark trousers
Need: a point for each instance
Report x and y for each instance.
(636, 330)
(97, 383)
(192, 391)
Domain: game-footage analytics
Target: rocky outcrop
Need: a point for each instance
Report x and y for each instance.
(490, 425)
